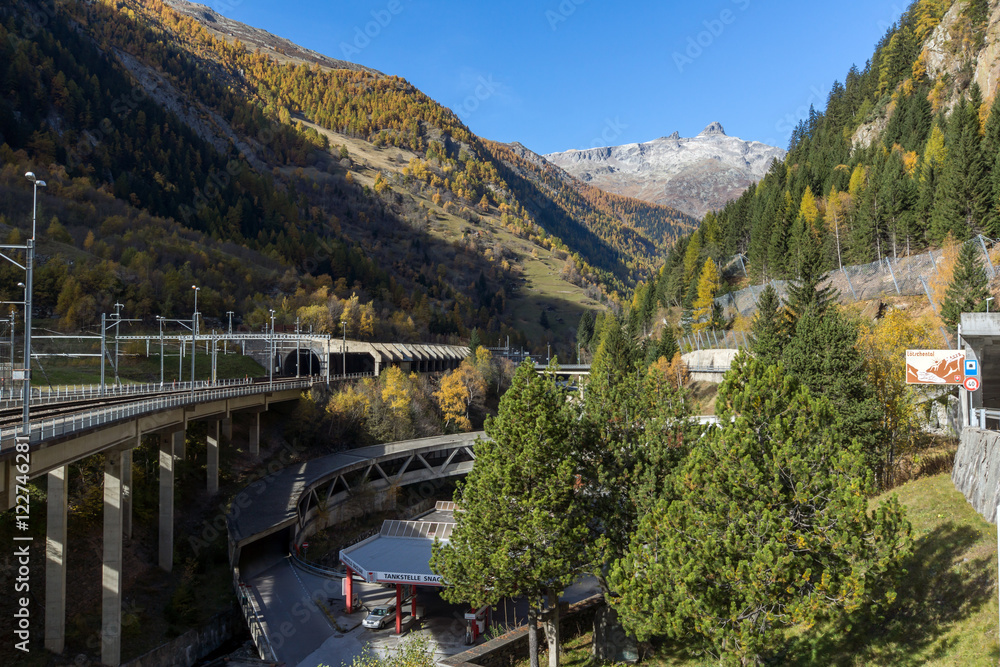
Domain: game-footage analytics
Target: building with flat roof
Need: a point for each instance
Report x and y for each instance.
(400, 554)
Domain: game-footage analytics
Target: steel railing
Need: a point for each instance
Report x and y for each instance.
(253, 618)
(982, 416)
(204, 392)
(58, 394)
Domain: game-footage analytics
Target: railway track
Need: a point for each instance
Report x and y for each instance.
(11, 416)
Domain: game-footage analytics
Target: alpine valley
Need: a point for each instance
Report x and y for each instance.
(180, 146)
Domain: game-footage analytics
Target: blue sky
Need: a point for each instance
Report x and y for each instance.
(561, 74)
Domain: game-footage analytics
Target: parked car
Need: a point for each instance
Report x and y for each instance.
(380, 615)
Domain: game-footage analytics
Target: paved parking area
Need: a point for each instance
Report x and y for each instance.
(307, 635)
(442, 623)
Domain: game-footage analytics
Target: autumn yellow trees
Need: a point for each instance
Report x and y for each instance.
(461, 390)
(708, 286)
(884, 344)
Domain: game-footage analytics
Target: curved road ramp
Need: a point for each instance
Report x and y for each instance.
(294, 613)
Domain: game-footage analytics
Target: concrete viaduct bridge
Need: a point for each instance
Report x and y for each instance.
(80, 425)
(302, 354)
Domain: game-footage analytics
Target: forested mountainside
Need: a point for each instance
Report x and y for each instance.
(906, 154)
(176, 154)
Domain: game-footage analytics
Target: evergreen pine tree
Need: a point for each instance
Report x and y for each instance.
(990, 149)
(768, 528)
(768, 336)
(667, 346)
(804, 292)
(969, 286)
(822, 354)
(962, 197)
(585, 329)
(777, 249)
(521, 531)
(475, 342)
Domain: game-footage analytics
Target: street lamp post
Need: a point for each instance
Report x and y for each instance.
(343, 348)
(194, 333)
(29, 264)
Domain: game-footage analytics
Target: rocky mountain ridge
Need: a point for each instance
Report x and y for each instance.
(281, 49)
(694, 175)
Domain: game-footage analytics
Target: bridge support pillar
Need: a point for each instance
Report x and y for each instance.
(111, 607)
(55, 561)
(255, 433)
(180, 444)
(212, 461)
(166, 542)
(227, 429)
(127, 492)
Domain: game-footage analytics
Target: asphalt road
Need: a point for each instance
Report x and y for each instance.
(303, 635)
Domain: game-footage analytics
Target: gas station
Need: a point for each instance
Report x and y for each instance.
(399, 555)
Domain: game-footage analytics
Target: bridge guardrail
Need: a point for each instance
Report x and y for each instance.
(41, 396)
(253, 617)
(59, 426)
(980, 416)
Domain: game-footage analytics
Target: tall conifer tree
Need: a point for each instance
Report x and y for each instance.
(522, 529)
(969, 286)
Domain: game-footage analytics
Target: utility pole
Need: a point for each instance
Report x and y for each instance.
(29, 264)
(225, 341)
(270, 363)
(343, 349)
(118, 321)
(215, 362)
(11, 389)
(159, 318)
(194, 334)
(103, 348)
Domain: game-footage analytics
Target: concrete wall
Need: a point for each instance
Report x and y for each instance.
(512, 647)
(193, 645)
(977, 470)
(718, 361)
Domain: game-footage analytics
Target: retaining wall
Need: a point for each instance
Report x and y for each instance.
(193, 645)
(977, 470)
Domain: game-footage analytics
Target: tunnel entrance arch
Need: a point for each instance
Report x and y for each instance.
(307, 362)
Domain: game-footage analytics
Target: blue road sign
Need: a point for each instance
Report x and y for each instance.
(971, 368)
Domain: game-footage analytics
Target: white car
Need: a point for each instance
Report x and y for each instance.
(380, 615)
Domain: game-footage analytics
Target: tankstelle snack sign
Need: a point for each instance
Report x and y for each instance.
(935, 366)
